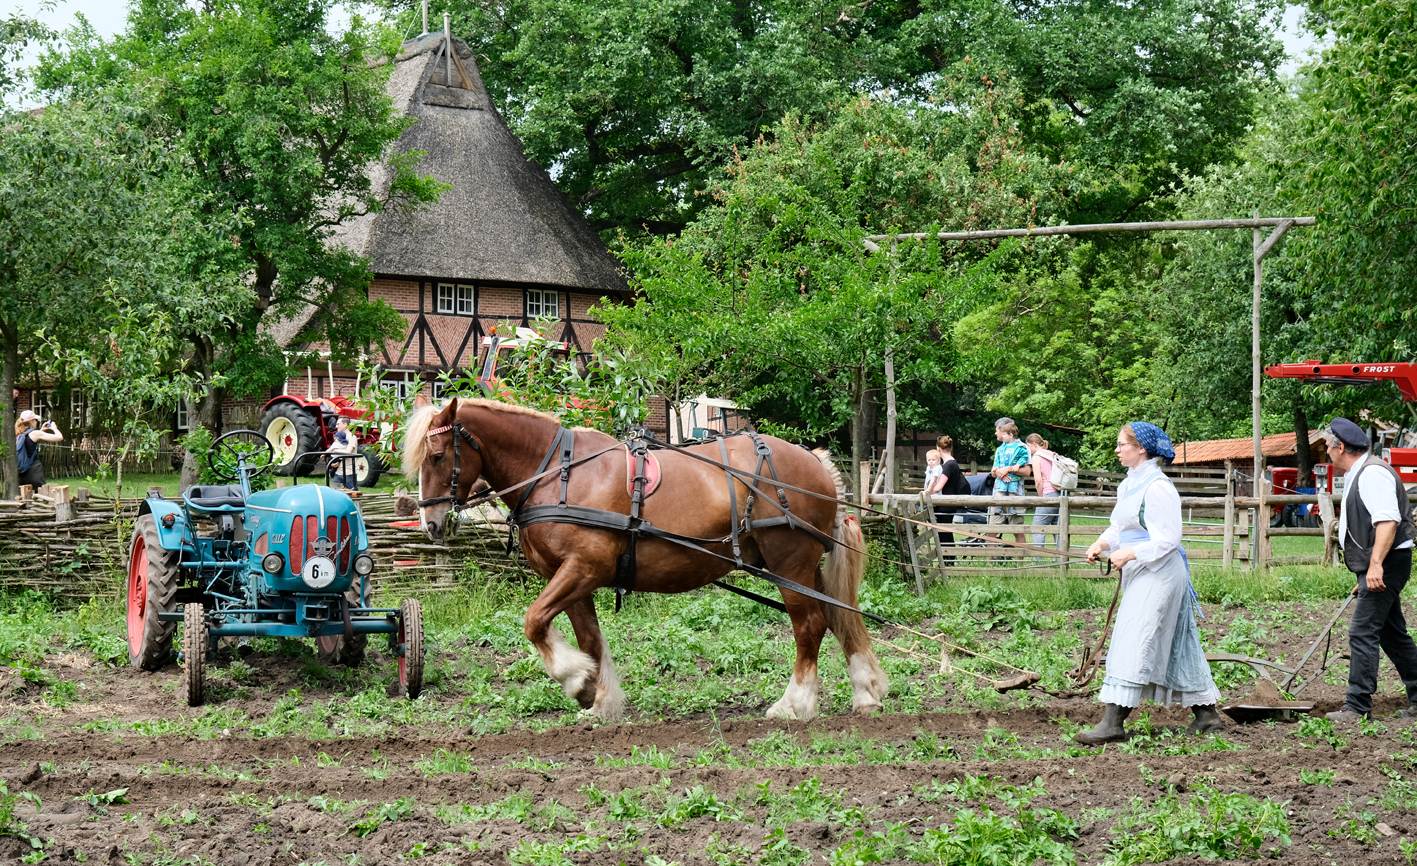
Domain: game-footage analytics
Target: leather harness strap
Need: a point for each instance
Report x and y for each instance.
(634, 525)
(732, 502)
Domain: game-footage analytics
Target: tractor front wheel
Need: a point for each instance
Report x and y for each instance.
(292, 432)
(410, 642)
(336, 649)
(152, 585)
(194, 653)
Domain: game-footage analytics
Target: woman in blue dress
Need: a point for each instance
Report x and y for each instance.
(1156, 651)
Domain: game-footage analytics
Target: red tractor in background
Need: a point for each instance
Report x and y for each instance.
(299, 426)
(1404, 460)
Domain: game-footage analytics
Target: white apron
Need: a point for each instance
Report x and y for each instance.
(1156, 651)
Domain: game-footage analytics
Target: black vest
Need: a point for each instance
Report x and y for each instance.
(1360, 535)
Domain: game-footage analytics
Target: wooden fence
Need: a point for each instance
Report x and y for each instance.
(80, 549)
(77, 546)
(1240, 533)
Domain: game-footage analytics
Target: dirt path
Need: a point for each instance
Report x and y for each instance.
(720, 787)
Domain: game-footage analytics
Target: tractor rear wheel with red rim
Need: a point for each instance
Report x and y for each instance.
(410, 645)
(152, 586)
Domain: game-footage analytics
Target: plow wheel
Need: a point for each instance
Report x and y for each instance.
(152, 584)
(336, 649)
(410, 640)
(194, 653)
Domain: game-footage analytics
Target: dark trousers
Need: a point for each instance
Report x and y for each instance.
(945, 514)
(1378, 624)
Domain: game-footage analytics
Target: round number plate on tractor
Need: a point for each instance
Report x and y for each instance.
(318, 572)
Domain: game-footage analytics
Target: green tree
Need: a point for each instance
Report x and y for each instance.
(772, 287)
(92, 208)
(282, 123)
(636, 105)
(1353, 168)
(17, 32)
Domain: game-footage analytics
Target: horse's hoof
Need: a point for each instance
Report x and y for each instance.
(586, 696)
(867, 709)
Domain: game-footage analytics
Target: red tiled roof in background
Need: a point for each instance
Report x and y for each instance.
(1211, 450)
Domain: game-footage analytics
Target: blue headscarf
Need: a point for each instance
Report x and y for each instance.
(1154, 440)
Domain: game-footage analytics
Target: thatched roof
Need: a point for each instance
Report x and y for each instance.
(503, 219)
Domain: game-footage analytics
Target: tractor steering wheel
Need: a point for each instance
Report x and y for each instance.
(227, 453)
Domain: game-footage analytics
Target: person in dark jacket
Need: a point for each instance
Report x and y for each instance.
(1376, 532)
(949, 482)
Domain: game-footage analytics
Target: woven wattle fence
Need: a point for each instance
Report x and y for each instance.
(86, 556)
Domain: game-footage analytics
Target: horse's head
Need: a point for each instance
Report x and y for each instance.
(430, 454)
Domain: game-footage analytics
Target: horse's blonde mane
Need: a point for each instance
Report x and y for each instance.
(415, 438)
(415, 443)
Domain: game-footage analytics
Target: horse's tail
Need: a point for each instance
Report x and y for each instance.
(841, 579)
(845, 566)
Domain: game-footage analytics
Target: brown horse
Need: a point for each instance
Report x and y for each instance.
(692, 500)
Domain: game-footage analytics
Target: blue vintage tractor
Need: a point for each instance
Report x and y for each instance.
(291, 562)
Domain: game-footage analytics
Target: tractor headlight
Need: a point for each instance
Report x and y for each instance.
(272, 563)
(363, 564)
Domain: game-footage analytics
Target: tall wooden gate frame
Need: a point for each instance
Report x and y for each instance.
(1262, 248)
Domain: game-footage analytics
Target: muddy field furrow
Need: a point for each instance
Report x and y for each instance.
(293, 762)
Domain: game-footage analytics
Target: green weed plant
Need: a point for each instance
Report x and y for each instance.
(1210, 824)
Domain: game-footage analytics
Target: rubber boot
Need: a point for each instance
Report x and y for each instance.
(1109, 730)
(1207, 720)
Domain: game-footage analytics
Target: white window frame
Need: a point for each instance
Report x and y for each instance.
(403, 383)
(543, 304)
(183, 421)
(445, 295)
(79, 408)
(42, 403)
(440, 389)
(466, 300)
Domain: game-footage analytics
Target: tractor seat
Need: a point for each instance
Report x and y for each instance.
(215, 495)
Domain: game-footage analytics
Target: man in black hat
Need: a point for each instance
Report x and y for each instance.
(1376, 532)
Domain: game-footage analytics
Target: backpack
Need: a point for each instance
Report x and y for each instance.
(24, 456)
(1064, 474)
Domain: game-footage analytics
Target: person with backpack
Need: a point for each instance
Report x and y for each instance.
(1041, 459)
(29, 432)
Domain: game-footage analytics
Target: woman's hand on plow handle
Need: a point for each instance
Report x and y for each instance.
(1117, 559)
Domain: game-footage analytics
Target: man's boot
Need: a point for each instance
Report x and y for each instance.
(1207, 720)
(1109, 730)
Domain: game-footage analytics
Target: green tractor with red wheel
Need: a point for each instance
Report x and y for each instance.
(291, 562)
(301, 430)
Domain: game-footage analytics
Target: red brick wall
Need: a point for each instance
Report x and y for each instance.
(401, 294)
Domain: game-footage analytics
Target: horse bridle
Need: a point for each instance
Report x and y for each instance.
(459, 434)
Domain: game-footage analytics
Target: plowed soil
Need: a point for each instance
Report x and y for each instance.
(234, 799)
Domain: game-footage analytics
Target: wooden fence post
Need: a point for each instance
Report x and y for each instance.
(1228, 557)
(1261, 528)
(1242, 527)
(1326, 516)
(863, 496)
(63, 508)
(1064, 537)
